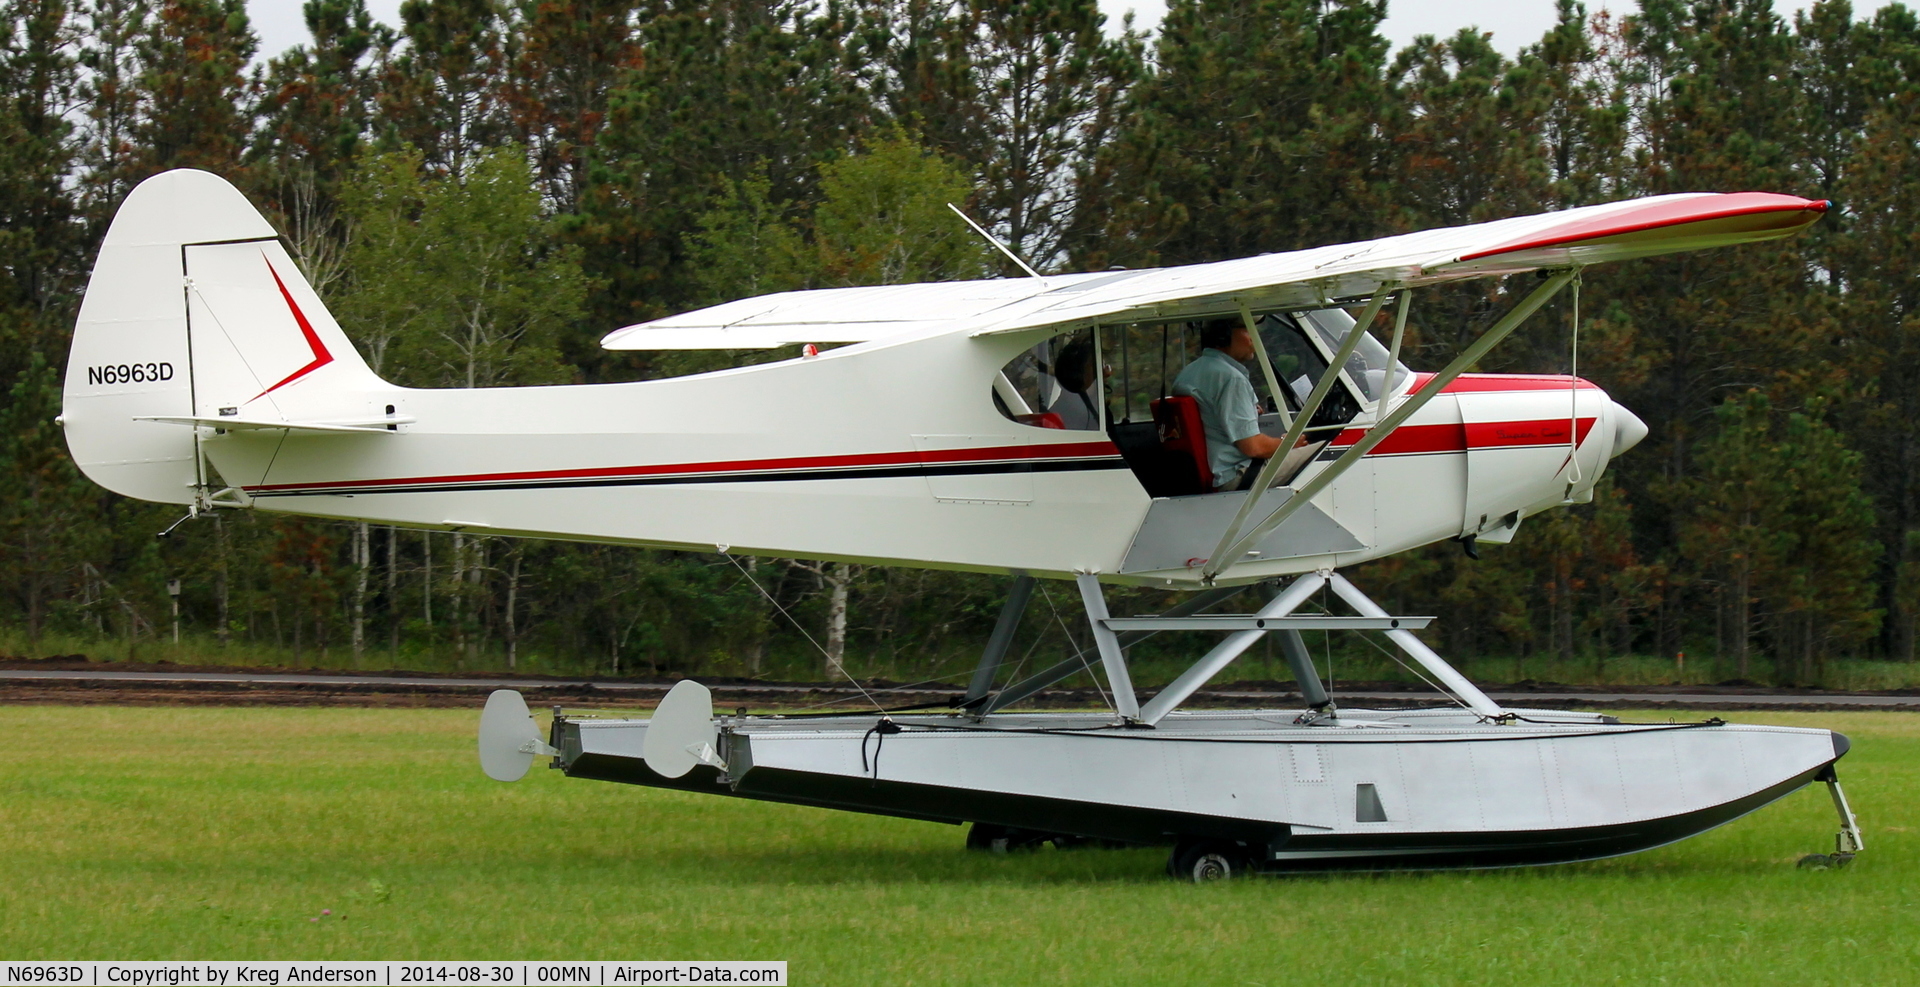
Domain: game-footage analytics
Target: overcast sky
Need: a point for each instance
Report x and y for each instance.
(1513, 22)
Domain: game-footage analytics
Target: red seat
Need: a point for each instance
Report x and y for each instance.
(1181, 431)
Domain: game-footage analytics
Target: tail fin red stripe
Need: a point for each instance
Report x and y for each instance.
(321, 357)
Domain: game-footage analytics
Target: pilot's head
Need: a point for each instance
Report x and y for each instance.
(1229, 336)
(1074, 367)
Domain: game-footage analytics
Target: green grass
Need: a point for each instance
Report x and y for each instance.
(220, 833)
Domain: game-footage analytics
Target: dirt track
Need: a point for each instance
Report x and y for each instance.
(101, 683)
(75, 681)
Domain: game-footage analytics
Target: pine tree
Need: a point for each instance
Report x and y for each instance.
(41, 237)
(1778, 514)
(1580, 108)
(110, 92)
(1825, 596)
(47, 522)
(1021, 90)
(442, 90)
(726, 91)
(1259, 130)
(1468, 146)
(1872, 262)
(193, 88)
(47, 527)
(1047, 66)
(316, 112)
(318, 101)
(570, 55)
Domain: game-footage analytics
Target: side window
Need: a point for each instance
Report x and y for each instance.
(1056, 384)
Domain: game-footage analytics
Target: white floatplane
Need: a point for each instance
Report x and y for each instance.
(967, 426)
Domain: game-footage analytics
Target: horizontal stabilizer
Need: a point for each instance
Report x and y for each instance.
(248, 424)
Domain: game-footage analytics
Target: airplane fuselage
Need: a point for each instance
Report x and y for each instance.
(867, 454)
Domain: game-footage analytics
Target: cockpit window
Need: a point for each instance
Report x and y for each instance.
(1056, 384)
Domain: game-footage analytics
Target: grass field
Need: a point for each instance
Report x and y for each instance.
(220, 833)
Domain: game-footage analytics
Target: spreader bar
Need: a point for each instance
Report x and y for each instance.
(1250, 622)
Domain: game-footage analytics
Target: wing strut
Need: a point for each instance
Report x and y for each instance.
(1266, 365)
(1393, 352)
(1221, 562)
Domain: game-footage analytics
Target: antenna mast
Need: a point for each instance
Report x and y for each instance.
(995, 241)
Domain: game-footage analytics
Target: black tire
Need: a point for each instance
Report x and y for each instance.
(993, 838)
(1206, 861)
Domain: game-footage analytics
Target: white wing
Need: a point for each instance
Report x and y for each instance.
(1303, 278)
(828, 315)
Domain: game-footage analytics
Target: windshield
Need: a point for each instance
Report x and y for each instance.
(1367, 367)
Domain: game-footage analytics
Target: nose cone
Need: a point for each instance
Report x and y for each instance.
(1628, 429)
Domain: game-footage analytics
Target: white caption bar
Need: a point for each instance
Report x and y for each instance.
(393, 973)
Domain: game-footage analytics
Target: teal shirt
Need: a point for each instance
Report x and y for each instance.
(1228, 409)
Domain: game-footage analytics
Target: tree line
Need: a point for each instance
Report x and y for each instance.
(485, 188)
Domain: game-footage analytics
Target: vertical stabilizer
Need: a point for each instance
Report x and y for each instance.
(194, 309)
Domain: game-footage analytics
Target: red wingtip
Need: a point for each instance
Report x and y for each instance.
(1641, 217)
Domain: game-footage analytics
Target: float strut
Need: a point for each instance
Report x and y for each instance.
(1847, 842)
(1002, 638)
(1223, 654)
(1449, 679)
(1311, 688)
(1094, 599)
(1033, 684)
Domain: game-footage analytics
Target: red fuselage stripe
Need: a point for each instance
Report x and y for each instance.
(1453, 437)
(1064, 450)
(1406, 440)
(1493, 383)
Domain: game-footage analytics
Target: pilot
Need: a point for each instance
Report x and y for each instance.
(1221, 384)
